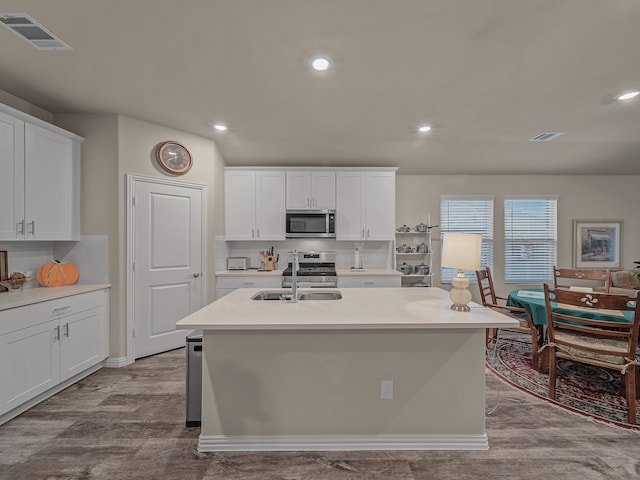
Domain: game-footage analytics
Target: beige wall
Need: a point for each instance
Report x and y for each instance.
(580, 197)
(98, 209)
(115, 146)
(26, 107)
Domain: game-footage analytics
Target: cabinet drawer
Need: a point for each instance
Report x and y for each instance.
(29, 315)
(373, 282)
(248, 282)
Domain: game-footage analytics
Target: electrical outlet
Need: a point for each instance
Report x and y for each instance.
(386, 390)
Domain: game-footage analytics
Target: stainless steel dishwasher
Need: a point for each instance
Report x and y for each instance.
(194, 379)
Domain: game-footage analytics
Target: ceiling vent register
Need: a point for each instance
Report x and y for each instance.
(31, 31)
(546, 136)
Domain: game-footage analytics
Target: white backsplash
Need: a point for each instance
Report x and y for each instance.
(90, 254)
(27, 256)
(373, 254)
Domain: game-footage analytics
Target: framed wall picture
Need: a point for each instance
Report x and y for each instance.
(597, 243)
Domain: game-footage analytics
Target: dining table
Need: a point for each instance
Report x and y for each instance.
(532, 300)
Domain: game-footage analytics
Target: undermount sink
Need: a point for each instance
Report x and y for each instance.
(333, 295)
(266, 295)
(286, 296)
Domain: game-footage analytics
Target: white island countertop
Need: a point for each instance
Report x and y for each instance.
(359, 308)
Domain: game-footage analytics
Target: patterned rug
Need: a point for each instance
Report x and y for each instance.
(590, 391)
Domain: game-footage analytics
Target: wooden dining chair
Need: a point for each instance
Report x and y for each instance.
(582, 278)
(491, 300)
(600, 341)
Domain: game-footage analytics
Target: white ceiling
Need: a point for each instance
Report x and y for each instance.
(487, 74)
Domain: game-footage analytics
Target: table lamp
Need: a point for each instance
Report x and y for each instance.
(461, 251)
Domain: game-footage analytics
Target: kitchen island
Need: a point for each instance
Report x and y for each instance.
(382, 368)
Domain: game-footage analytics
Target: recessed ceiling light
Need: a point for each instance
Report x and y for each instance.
(424, 128)
(220, 127)
(628, 95)
(320, 64)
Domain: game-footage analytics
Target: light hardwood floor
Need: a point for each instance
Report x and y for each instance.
(128, 423)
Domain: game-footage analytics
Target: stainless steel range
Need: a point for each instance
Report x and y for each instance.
(317, 269)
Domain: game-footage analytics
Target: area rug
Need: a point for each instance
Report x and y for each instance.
(591, 391)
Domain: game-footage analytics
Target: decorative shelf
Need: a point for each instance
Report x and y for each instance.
(412, 238)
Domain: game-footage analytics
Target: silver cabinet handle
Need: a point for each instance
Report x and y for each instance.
(362, 233)
(308, 202)
(194, 275)
(57, 311)
(66, 329)
(253, 233)
(20, 227)
(258, 233)
(56, 335)
(367, 233)
(33, 227)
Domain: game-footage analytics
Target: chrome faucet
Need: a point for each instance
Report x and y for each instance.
(295, 266)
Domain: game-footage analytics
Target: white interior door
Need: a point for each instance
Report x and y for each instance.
(167, 263)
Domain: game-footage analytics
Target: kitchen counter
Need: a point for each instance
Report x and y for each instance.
(379, 369)
(42, 294)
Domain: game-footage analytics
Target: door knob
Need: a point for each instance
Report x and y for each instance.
(194, 275)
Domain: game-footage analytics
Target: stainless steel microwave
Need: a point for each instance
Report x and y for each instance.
(311, 224)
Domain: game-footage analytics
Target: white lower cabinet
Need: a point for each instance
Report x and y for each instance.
(30, 364)
(227, 284)
(81, 342)
(373, 281)
(42, 345)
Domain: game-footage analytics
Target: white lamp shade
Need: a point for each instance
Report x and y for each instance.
(461, 251)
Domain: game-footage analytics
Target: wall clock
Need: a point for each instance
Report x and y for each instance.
(174, 157)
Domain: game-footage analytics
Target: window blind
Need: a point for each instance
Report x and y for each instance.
(468, 214)
(530, 239)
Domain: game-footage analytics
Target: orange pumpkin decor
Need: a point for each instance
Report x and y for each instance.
(57, 274)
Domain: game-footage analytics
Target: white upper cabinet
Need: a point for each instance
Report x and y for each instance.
(12, 176)
(380, 205)
(51, 185)
(254, 205)
(365, 205)
(311, 190)
(40, 181)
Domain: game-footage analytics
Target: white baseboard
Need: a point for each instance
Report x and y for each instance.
(116, 362)
(222, 443)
